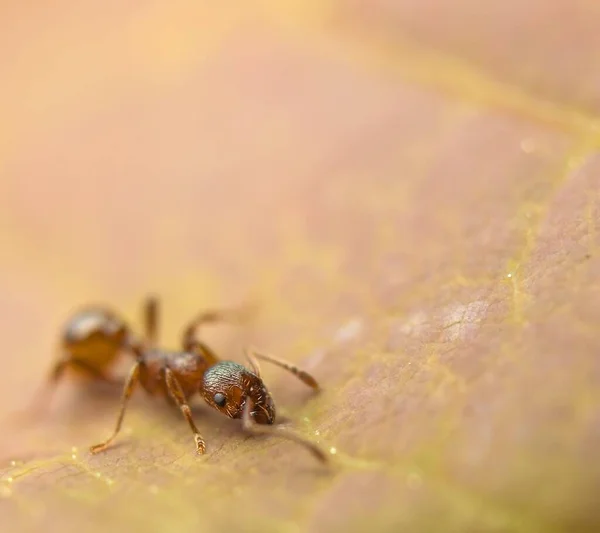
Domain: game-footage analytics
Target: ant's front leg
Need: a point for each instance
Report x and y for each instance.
(177, 394)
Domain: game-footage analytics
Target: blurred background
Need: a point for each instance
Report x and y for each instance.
(409, 192)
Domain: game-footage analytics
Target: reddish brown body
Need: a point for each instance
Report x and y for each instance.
(226, 386)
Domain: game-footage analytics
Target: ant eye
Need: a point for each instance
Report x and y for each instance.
(220, 399)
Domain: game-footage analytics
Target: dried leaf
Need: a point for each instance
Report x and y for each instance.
(409, 191)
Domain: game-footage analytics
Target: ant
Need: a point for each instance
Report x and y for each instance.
(228, 387)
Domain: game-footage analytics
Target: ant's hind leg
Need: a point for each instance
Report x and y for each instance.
(43, 396)
(177, 394)
(58, 372)
(132, 381)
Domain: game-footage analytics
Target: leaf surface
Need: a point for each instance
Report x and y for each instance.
(409, 191)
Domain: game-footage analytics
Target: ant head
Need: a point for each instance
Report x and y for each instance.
(227, 387)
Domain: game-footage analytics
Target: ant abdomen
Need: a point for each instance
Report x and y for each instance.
(94, 336)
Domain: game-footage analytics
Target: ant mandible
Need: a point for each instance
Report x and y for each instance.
(228, 387)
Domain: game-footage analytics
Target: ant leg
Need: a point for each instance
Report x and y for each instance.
(57, 373)
(235, 316)
(302, 375)
(43, 396)
(251, 427)
(132, 381)
(177, 394)
(151, 310)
